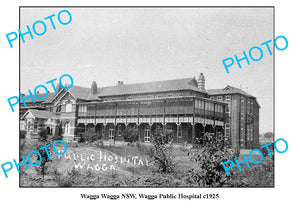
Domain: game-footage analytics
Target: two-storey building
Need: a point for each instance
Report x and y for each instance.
(181, 105)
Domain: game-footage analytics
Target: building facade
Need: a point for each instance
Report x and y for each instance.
(181, 105)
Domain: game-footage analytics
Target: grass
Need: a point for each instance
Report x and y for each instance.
(260, 175)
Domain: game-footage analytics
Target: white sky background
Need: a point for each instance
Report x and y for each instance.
(161, 44)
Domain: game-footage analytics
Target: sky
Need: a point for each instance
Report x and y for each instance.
(138, 45)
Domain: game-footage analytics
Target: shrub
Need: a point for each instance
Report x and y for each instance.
(81, 138)
(161, 153)
(209, 157)
(142, 148)
(265, 151)
(131, 134)
(67, 180)
(43, 135)
(99, 144)
(42, 167)
(90, 135)
(22, 134)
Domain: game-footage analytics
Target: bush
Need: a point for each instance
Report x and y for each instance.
(131, 134)
(90, 135)
(43, 135)
(209, 157)
(67, 180)
(265, 151)
(161, 152)
(22, 134)
(99, 144)
(42, 167)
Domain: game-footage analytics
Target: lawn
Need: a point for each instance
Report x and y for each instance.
(129, 166)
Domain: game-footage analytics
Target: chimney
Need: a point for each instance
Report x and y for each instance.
(201, 82)
(58, 87)
(119, 83)
(94, 88)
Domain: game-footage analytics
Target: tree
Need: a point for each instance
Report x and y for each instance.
(91, 135)
(161, 153)
(42, 167)
(209, 157)
(131, 134)
(43, 134)
(269, 136)
(22, 134)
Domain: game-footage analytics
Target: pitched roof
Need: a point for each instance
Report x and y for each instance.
(157, 86)
(80, 92)
(83, 93)
(29, 100)
(76, 91)
(228, 90)
(38, 114)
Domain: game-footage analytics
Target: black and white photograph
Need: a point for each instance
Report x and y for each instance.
(149, 106)
(147, 97)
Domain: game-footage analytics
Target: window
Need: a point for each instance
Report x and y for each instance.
(82, 108)
(228, 98)
(242, 106)
(180, 131)
(111, 134)
(248, 106)
(35, 126)
(202, 105)
(58, 108)
(103, 131)
(119, 131)
(227, 130)
(28, 126)
(67, 127)
(147, 135)
(212, 98)
(227, 109)
(220, 98)
(68, 107)
(169, 95)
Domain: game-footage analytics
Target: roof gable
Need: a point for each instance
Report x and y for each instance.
(29, 100)
(34, 113)
(76, 92)
(228, 90)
